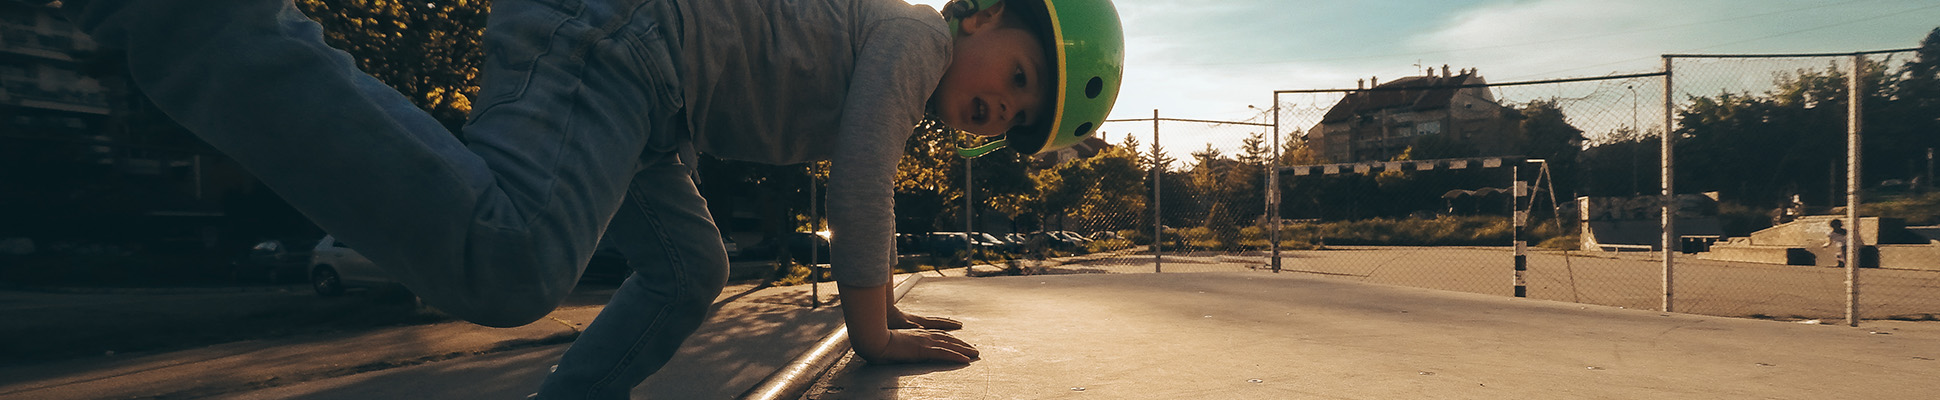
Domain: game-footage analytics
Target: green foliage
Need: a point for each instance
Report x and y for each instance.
(1738, 219)
(428, 50)
(1915, 209)
(1441, 231)
(1760, 148)
(1105, 245)
(1098, 193)
(1565, 242)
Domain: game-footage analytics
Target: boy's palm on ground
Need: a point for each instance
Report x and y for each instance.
(920, 346)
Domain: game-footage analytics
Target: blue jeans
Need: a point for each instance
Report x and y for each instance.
(577, 124)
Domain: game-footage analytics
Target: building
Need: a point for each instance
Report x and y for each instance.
(1380, 122)
(84, 158)
(42, 86)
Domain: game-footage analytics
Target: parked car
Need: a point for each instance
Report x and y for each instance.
(909, 243)
(1059, 241)
(335, 268)
(992, 242)
(733, 249)
(948, 243)
(1014, 237)
(1104, 235)
(792, 246)
(273, 261)
(1073, 236)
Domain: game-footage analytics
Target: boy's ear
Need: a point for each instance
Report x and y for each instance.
(989, 18)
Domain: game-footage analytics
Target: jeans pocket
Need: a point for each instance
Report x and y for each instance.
(520, 34)
(656, 64)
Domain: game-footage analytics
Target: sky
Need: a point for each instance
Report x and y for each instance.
(1214, 60)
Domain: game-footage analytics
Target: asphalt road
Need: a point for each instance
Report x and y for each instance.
(734, 351)
(1254, 335)
(1629, 280)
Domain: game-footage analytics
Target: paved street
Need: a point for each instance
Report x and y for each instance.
(755, 330)
(1630, 280)
(1251, 335)
(759, 330)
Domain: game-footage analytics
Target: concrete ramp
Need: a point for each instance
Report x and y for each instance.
(1888, 243)
(1278, 336)
(1639, 235)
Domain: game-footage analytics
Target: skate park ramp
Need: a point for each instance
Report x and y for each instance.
(1643, 235)
(1256, 335)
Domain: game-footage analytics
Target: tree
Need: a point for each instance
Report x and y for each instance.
(1546, 134)
(1254, 149)
(428, 50)
(1096, 193)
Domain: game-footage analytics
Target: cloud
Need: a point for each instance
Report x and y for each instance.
(1562, 38)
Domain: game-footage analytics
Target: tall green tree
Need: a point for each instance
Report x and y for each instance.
(1096, 193)
(429, 50)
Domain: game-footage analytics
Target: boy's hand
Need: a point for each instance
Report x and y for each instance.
(917, 346)
(865, 310)
(900, 320)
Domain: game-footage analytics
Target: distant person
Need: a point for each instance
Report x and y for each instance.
(1792, 211)
(1837, 237)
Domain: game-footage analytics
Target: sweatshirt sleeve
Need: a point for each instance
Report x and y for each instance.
(898, 66)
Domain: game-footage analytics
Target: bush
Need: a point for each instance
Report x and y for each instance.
(1104, 245)
(1438, 231)
(1441, 231)
(1568, 242)
(1915, 209)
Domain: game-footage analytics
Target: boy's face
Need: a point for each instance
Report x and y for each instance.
(997, 78)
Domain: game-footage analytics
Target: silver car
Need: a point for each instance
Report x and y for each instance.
(334, 267)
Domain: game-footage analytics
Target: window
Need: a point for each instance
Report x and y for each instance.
(1428, 128)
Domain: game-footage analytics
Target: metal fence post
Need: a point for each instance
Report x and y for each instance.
(1853, 243)
(1273, 186)
(1669, 196)
(1158, 200)
(1517, 235)
(814, 230)
(969, 211)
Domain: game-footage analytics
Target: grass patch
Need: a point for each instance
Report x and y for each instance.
(1915, 209)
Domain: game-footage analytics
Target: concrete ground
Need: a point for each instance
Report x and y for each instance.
(753, 332)
(1253, 335)
(1630, 280)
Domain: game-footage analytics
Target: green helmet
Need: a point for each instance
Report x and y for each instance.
(1088, 47)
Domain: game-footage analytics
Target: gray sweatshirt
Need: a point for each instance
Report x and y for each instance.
(792, 81)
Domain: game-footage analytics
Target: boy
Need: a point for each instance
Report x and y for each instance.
(589, 114)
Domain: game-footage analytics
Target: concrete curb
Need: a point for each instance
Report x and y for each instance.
(794, 380)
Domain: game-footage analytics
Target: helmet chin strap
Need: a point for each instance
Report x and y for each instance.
(979, 151)
(956, 10)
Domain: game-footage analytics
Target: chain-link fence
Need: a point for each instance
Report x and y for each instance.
(1150, 195)
(1433, 180)
(1547, 189)
(1770, 140)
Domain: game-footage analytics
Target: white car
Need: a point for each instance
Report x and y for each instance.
(334, 267)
